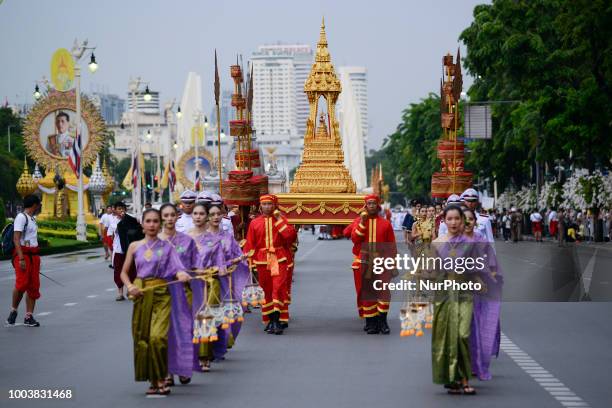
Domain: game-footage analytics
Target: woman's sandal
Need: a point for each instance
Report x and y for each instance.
(453, 389)
(468, 390)
(205, 365)
(170, 381)
(184, 380)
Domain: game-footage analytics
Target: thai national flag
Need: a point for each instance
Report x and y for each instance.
(197, 180)
(135, 171)
(74, 158)
(172, 176)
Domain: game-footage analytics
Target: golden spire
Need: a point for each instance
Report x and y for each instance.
(25, 184)
(322, 76)
(322, 169)
(322, 36)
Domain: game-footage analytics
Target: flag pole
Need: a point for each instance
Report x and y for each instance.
(217, 90)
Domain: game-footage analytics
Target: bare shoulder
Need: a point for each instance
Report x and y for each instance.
(135, 245)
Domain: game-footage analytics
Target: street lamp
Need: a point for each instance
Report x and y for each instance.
(149, 134)
(37, 93)
(93, 65)
(77, 53)
(147, 95)
(179, 114)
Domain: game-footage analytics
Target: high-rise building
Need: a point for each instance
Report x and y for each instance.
(280, 106)
(352, 114)
(111, 107)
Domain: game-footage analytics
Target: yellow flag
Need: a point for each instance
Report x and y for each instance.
(141, 165)
(127, 180)
(164, 180)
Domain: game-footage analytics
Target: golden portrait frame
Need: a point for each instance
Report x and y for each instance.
(56, 101)
(187, 156)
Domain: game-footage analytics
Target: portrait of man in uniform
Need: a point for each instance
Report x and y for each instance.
(60, 143)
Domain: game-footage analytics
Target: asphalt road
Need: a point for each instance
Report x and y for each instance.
(554, 353)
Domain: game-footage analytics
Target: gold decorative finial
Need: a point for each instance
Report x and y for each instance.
(322, 35)
(25, 184)
(322, 169)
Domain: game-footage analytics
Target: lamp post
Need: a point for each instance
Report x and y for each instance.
(133, 86)
(77, 53)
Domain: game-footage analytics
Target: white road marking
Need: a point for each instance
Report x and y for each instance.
(69, 304)
(540, 375)
(92, 296)
(110, 289)
(43, 313)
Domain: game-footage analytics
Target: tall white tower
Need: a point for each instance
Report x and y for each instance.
(191, 103)
(352, 106)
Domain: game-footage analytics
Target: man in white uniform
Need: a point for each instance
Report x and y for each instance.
(483, 224)
(60, 143)
(226, 222)
(185, 221)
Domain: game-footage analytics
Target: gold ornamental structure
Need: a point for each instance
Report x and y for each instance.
(323, 191)
(452, 179)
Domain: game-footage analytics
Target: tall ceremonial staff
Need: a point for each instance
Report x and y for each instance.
(217, 89)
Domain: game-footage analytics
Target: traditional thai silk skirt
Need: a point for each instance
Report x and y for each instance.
(450, 341)
(150, 323)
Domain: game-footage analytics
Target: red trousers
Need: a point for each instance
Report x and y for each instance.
(28, 279)
(370, 302)
(118, 261)
(276, 289)
(552, 227)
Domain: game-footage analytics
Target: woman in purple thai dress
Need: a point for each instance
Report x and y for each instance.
(485, 329)
(181, 324)
(157, 265)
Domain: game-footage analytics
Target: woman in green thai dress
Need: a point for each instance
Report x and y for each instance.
(450, 341)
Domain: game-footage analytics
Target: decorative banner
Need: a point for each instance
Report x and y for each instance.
(62, 70)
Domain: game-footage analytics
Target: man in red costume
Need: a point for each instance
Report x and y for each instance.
(372, 236)
(268, 240)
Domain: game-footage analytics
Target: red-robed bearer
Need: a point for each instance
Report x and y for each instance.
(268, 240)
(372, 236)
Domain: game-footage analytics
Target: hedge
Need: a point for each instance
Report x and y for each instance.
(69, 234)
(64, 226)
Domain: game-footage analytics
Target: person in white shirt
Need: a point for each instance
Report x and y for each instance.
(471, 199)
(26, 261)
(107, 241)
(536, 225)
(553, 223)
(185, 223)
(118, 255)
(226, 222)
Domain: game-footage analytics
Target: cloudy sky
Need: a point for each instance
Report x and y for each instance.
(401, 42)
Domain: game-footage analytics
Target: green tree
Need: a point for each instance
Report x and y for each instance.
(554, 58)
(11, 164)
(410, 152)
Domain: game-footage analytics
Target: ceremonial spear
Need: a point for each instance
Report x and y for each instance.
(217, 89)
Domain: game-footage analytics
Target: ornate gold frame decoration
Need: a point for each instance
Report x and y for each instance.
(55, 101)
(188, 155)
(314, 208)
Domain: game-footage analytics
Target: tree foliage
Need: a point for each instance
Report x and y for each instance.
(408, 155)
(554, 58)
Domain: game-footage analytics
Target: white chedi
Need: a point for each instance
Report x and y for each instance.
(97, 181)
(36, 175)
